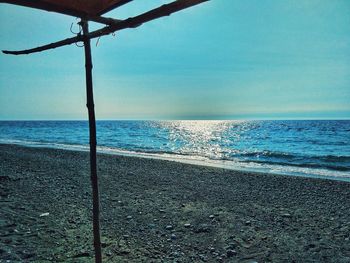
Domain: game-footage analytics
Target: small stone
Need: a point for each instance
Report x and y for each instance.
(104, 244)
(81, 254)
(203, 257)
(175, 254)
(231, 246)
(169, 227)
(27, 255)
(187, 225)
(248, 223)
(203, 228)
(44, 214)
(211, 216)
(287, 215)
(129, 217)
(7, 240)
(173, 237)
(310, 246)
(123, 251)
(162, 210)
(231, 253)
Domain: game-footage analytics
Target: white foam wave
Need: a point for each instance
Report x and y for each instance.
(198, 160)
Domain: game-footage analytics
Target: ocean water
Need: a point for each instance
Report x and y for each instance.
(317, 148)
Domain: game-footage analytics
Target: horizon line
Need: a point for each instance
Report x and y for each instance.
(185, 119)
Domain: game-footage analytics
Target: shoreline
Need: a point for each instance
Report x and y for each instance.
(164, 211)
(193, 160)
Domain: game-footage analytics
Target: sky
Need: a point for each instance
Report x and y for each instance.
(224, 59)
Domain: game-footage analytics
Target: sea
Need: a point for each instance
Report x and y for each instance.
(307, 148)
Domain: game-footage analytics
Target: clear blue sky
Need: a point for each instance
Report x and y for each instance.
(225, 59)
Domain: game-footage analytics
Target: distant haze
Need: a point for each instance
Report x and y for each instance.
(219, 60)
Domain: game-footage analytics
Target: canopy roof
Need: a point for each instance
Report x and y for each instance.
(91, 10)
(78, 8)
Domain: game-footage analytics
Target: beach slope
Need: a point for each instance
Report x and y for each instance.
(163, 211)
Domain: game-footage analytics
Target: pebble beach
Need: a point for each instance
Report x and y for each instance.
(165, 211)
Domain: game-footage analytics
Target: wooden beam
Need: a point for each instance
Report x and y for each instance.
(92, 131)
(61, 43)
(164, 10)
(103, 20)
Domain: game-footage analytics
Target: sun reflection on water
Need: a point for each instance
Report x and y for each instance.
(202, 138)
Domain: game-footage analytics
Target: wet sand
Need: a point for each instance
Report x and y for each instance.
(163, 211)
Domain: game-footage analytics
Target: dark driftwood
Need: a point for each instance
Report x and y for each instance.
(92, 129)
(164, 10)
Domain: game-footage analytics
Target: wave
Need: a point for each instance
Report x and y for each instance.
(269, 154)
(335, 162)
(305, 165)
(265, 166)
(284, 155)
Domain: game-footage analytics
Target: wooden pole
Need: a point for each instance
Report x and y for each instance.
(92, 130)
